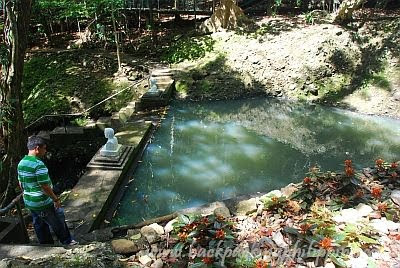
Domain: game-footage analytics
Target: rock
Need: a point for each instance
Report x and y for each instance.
(245, 207)
(313, 90)
(158, 228)
(123, 246)
(396, 95)
(128, 247)
(288, 190)
(150, 234)
(310, 264)
(222, 212)
(157, 264)
(329, 265)
(363, 210)
(134, 236)
(360, 262)
(395, 195)
(278, 239)
(260, 209)
(145, 260)
(352, 215)
(383, 225)
(101, 235)
(273, 193)
(5, 264)
(168, 227)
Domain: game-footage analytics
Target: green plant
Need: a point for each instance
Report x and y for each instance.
(309, 17)
(188, 49)
(203, 234)
(80, 121)
(205, 85)
(245, 261)
(356, 236)
(182, 87)
(274, 203)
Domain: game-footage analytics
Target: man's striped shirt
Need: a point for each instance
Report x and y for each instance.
(32, 173)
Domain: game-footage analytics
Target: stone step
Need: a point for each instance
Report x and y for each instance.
(161, 72)
(163, 79)
(67, 130)
(103, 122)
(115, 121)
(130, 108)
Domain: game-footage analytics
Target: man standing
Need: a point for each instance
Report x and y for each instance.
(39, 197)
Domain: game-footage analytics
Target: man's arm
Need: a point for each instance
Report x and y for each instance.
(47, 190)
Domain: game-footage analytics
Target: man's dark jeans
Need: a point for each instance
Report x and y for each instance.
(55, 219)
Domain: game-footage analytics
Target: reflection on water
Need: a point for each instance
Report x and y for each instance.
(205, 152)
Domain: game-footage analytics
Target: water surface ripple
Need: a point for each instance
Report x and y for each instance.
(211, 151)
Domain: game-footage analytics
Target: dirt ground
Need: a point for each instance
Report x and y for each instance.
(356, 67)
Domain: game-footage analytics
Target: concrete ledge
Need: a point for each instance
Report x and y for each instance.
(94, 195)
(147, 102)
(29, 252)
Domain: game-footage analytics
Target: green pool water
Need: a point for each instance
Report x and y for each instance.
(211, 151)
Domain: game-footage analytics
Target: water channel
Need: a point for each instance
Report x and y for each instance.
(211, 151)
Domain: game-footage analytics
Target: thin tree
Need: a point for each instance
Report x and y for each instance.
(115, 35)
(346, 9)
(13, 45)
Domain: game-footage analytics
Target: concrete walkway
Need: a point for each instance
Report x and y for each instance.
(29, 252)
(91, 199)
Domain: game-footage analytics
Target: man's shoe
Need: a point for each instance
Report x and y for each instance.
(73, 243)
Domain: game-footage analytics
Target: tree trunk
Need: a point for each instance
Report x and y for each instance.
(16, 27)
(115, 36)
(346, 9)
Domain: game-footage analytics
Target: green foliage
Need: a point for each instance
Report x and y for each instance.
(5, 110)
(188, 49)
(264, 29)
(204, 233)
(245, 261)
(273, 202)
(70, 82)
(205, 85)
(309, 17)
(80, 121)
(57, 10)
(182, 86)
(356, 236)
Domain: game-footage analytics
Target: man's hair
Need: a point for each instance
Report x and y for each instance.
(34, 141)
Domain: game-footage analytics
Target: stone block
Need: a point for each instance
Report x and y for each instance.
(103, 122)
(123, 246)
(246, 207)
(115, 121)
(222, 212)
(111, 163)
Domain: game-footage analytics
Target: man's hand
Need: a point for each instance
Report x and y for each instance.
(48, 191)
(57, 203)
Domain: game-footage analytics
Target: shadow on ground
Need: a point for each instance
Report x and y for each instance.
(216, 80)
(373, 60)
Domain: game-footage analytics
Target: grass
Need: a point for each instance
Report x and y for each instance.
(69, 82)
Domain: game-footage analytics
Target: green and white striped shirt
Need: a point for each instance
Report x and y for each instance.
(32, 173)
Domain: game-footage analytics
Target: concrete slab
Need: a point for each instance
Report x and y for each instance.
(131, 133)
(152, 102)
(30, 252)
(91, 199)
